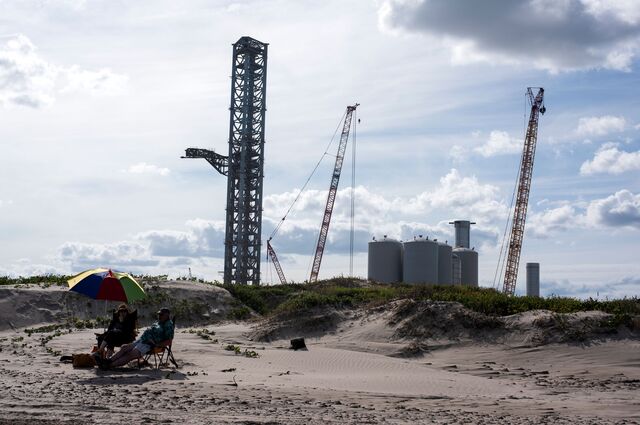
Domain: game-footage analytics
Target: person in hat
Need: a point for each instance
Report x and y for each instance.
(159, 334)
(121, 330)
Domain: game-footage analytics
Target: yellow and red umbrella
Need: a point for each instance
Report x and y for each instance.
(106, 284)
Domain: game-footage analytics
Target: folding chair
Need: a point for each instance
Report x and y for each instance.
(162, 355)
(132, 318)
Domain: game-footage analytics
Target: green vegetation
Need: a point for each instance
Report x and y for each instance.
(346, 293)
(44, 329)
(349, 293)
(263, 299)
(238, 351)
(239, 313)
(234, 348)
(207, 335)
(42, 280)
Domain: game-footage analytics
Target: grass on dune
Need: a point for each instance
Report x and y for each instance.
(344, 292)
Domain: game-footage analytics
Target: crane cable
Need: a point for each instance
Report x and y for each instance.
(326, 152)
(317, 234)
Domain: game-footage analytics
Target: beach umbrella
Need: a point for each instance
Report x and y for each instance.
(106, 284)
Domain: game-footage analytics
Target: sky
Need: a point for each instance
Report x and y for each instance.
(100, 98)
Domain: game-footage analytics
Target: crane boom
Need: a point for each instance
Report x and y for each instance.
(524, 186)
(274, 258)
(331, 198)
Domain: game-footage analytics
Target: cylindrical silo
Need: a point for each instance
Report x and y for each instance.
(463, 233)
(533, 279)
(385, 261)
(420, 261)
(445, 269)
(456, 270)
(469, 260)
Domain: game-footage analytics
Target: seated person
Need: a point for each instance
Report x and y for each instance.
(159, 334)
(121, 330)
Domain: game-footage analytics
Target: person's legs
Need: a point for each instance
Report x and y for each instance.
(124, 350)
(123, 359)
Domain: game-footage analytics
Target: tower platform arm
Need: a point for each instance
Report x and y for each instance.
(219, 162)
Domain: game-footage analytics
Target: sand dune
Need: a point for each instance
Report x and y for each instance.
(401, 363)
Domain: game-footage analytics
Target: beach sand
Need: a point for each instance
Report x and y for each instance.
(353, 374)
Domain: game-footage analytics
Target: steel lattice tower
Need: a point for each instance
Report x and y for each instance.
(245, 163)
(524, 187)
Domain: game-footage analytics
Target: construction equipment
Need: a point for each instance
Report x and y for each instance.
(245, 163)
(271, 254)
(331, 198)
(524, 186)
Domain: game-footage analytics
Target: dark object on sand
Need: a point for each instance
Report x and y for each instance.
(83, 360)
(66, 359)
(297, 344)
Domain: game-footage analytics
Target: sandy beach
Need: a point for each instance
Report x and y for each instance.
(355, 372)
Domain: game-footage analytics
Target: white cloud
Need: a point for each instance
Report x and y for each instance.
(608, 287)
(544, 224)
(203, 238)
(637, 126)
(569, 34)
(622, 209)
(455, 196)
(499, 143)
(101, 82)
(144, 168)
(600, 126)
(622, 10)
(26, 267)
(151, 249)
(27, 79)
(609, 159)
(458, 153)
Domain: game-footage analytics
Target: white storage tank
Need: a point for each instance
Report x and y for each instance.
(420, 261)
(533, 279)
(469, 259)
(456, 270)
(385, 260)
(445, 268)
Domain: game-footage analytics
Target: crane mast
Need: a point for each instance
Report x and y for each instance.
(524, 186)
(331, 198)
(271, 254)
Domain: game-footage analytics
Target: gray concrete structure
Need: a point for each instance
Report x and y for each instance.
(533, 279)
(463, 231)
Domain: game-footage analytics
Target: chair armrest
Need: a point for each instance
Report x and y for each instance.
(165, 343)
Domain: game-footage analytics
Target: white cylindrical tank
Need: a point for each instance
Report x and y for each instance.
(533, 279)
(420, 261)
(385, 261)
(469, 259)
(456, 270)
(445, 268)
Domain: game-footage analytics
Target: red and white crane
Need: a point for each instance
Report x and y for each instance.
(524, 186)
(331, 199)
